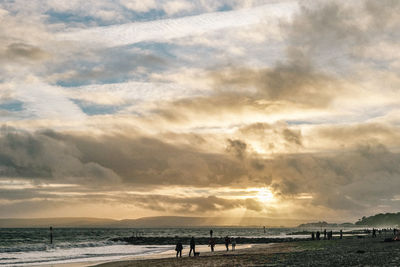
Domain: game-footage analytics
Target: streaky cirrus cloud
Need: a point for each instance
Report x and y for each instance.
(180, 27)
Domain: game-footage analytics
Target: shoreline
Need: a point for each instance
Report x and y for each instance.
(350, 251)
(168, 254)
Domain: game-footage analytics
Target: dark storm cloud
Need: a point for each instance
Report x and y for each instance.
(39, 156)
(348, 180)
(52, 156)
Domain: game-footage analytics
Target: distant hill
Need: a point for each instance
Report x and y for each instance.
(324, 224)
(160, 221)
(56, 222)
(380, 220)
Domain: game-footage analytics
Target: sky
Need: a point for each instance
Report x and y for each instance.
(242, 108)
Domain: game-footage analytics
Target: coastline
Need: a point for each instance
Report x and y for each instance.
(352, 251)
(168, 254)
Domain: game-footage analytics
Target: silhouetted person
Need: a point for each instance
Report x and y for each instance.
(312, 236)
(341, 234)
(178, 249)
(233, 241)
(227, 241)
(330, 235)
(211, 244)
(324, 234)
(373, 232)
(318, 235)
(51, 235)
(192, 246)
(211, 233)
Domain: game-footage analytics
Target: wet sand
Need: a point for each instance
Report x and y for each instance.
(354, 251)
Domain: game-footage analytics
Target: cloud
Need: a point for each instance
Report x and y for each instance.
(352, 180)
(356, 134)
(176, 6)
(360, 176)
(44, 101)
(295, 82)
(20, 51)
(139, 6)
(193, 204)
(292, 136)
(237, 147)
(322, 72)
(41, 157)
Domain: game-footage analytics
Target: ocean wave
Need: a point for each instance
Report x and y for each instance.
(83, 252)
(62, 245)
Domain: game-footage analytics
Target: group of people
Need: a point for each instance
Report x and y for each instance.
(179, 248)
(327, 235)
(385, 231)
(231, 241)
(211, 244)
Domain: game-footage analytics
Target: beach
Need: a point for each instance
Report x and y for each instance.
(79, 247)
(83, 246)
(351, 251)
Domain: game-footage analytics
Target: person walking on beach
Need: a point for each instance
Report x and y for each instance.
(179, 249)
(211, 244)
(318, 235)
(211, 233)
(192, 247)
(233, 244)
(227, 241)
(341, 234)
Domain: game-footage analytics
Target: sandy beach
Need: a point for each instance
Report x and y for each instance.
(354, 251)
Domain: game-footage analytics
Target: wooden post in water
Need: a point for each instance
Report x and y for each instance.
(51, 235)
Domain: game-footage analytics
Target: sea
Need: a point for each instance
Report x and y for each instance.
(31, 246)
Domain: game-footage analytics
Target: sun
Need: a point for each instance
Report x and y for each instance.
(264, 194)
